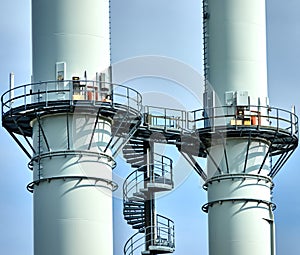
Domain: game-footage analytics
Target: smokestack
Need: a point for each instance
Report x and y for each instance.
(71, 127)
(244, 130)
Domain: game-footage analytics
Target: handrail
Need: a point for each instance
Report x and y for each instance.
(161, 167)
(136, 180)
(221, 116)
(253, 115)
(163, 236)
(90, 90)
(165, 163)
(164, 221)
(166, 118)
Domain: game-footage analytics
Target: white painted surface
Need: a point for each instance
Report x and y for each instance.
(74, 32)
(237, 62)
(240, 227)
(73, 216)
(237, 56)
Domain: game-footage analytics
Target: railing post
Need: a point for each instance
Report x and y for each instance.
(169, 233)
(46, 94)
(164, 170)
(277, 120)
(11, 89)
(25, 96)
(38, 95)
(127, 94)
(291, 122)
(165, 112)
(71, 91)
(293, 119)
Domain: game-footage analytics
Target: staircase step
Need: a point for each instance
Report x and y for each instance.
(136, 222)
(131, 151)
(129, 215)
(141, 195)
(134, 144)
(136, 199)
(138, 164)
(131, 210)
(135, 217)
(137, 160)
(142, 168)
(134, 209)
(159, 249)
(134, 139)
(132, 155)
(132, 213)
(136, 204)
(139, 226)
(157, 187)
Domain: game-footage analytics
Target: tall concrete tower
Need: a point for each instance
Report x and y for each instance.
(78, 121)
(246, 141)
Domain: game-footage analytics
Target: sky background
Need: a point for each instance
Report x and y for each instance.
(162, 28)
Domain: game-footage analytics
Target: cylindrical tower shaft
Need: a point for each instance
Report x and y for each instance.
(73, 208)
(236, 47)
(73, 191)
(239, 190)
(70, 38)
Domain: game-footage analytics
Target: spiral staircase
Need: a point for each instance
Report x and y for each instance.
(153, 173)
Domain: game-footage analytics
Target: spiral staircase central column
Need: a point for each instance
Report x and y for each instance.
(150, 212)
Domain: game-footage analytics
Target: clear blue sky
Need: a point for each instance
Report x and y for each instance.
(167, 29)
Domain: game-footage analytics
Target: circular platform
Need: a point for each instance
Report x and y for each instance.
(25, 103)
(274, 126)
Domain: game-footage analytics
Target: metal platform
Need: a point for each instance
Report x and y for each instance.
(23, 104)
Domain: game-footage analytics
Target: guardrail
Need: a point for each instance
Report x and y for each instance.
(157, 117)
(70, 90)
(165, 235)
(165, 118)
(230, 116)
(161, 235)
(160, 171)
(252, 115)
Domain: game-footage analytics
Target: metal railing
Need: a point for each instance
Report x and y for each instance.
(70, 90)
(161, 235)
(165, 231)
(161, 171)
(252, 116)
(50, 92)
(165, 118)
